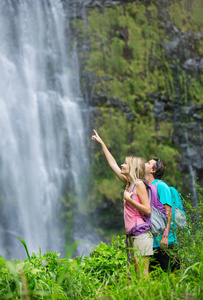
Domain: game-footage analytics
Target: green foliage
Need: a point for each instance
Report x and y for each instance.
(25, 246)
(130, 64)
(187, 15)
(34, 277)
(107, 263)
(104, 275)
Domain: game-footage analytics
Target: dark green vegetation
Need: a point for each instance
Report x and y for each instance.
(104, 274)
(140, 68)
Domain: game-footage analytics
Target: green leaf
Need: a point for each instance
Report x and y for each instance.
(25, 246)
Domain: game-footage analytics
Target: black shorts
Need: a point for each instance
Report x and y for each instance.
(164, 260)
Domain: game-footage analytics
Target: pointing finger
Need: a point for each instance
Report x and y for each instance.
(95, 132)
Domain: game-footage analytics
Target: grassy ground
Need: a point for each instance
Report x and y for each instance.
(104, 275)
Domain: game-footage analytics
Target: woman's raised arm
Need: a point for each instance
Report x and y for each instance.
(109, 157)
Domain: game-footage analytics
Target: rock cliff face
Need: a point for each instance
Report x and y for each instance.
(141, 72)
(182, 50)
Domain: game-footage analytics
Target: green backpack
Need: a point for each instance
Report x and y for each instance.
(178, 212)
(177, 208)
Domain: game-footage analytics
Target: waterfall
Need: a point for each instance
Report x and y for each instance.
(192, 177)
(42, 144)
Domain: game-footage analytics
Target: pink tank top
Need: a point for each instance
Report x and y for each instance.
(132, 216)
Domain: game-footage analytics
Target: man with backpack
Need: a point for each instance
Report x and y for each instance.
(155, 169)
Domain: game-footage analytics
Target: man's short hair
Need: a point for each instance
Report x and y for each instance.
(159, 168)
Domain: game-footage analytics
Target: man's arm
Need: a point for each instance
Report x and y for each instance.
(164, 240)
(164, 195)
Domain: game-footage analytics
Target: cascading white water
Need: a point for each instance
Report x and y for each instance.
(192, 177)
(42, 140)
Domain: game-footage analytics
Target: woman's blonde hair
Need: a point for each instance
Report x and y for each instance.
(136, 166)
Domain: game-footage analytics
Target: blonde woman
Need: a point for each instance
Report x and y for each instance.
(136, 203)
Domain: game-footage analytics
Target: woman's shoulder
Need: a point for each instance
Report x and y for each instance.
(139, 182)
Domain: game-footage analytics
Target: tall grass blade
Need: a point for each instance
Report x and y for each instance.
(25, 246)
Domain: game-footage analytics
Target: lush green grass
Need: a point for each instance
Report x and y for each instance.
(104, 275)
(101, 276)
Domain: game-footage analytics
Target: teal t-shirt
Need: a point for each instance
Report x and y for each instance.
(164, 196)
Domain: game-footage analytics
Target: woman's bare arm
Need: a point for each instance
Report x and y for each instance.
(109, 157)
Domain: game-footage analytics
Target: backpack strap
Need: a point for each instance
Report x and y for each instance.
(146, 185)
(158, 182)
(133, 185)
(145, 218)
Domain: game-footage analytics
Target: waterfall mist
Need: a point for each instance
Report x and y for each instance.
(42, 145)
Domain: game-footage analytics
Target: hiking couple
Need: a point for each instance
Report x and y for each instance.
(134, 170)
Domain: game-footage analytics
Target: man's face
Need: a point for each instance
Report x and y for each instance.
(149, 165)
